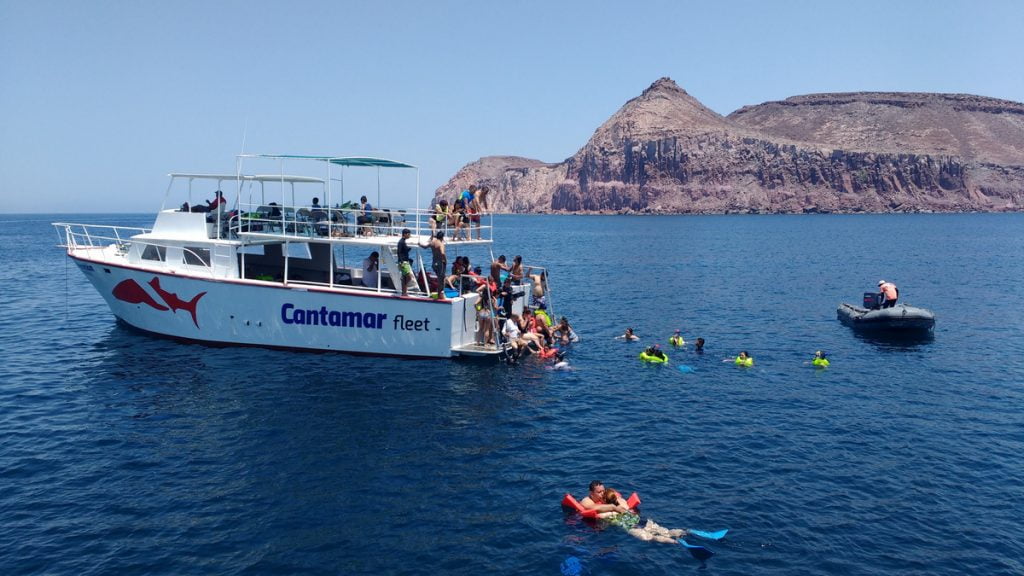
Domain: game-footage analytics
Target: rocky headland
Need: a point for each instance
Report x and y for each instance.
(665, 152)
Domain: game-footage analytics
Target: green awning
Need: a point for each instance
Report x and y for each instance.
(346, 161)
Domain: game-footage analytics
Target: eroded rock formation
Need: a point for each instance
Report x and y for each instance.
(664, 152)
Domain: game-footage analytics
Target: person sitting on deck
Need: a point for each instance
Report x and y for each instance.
(458, 269)
(365, 220)
(439, 219)
(371, 267)
(459, 220)
(217, 204)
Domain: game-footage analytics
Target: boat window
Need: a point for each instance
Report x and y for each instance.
(153, 252)
(196, 256)
(299, 250)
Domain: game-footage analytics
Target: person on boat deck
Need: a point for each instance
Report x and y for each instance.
(629, 335)
(542, 313)
(890, 294)
(467, 195)
(404, 260)
(539, 282)
(510, 333)
(516, 272)
(365, 219)
(507, 297)
(458, 269)
(440, 217)
(497, 267)
(315, 205)
(820, 360)
(676, 339)
(440, 260)
(476, 207)
(217, 204)
(698, 346)
(595, 500)
(459, 220)
(527, 334)
(371, 266)
(484, 314)
(537, 326)
(744, 360)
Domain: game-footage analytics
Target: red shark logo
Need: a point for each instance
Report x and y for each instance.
(130, 291)
(176, 303)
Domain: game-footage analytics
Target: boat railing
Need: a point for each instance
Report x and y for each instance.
(99, 237)
(77, 236)
(344, 221)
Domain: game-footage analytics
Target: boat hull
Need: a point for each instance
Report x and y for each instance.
(269, 314)
(899, 319)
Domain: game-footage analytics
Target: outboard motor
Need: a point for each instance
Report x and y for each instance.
(872, 300)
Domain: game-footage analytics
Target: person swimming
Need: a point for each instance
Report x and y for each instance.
(628, 336)
(745, 360)
(676, 339)
(560, 362)
(820, 360)
(646, 531)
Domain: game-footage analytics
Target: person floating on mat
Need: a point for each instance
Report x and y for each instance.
(595, 500)
(646, 530)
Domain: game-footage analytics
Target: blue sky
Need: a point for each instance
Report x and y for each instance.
(100, 100)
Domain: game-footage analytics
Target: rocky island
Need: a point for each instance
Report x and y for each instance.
(665, 152)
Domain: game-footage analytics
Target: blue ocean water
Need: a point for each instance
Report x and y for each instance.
(123, 453)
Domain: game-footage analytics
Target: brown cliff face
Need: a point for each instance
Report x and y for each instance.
(664, 152)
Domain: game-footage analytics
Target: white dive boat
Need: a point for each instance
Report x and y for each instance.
(268, 271)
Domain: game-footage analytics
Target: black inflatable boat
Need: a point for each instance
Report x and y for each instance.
(900, 319)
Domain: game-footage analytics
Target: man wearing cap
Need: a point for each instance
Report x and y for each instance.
(676, 339)
(405, 261)
(890, 294)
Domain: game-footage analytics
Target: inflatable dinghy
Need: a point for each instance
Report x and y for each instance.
(900, 319)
